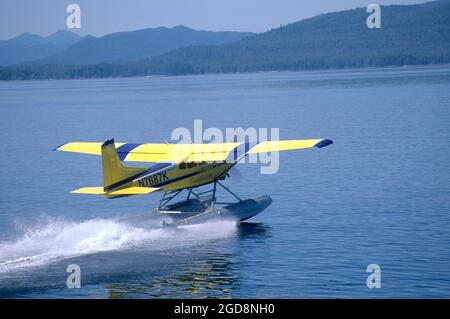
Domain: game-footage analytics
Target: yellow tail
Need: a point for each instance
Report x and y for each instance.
(114, 172)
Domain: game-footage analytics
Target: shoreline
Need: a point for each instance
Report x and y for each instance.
(320, 71)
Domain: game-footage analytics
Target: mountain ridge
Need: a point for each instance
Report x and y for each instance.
(413, 34)
(138, 44)
(28, 46)
(409, 35)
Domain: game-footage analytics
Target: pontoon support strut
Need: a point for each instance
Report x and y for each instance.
(169, 195)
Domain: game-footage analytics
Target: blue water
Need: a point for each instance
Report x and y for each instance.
(380, 194)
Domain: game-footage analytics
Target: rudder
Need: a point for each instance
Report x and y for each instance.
(113, 170)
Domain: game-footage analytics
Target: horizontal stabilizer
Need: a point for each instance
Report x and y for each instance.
(134, 191)
(89, 190)
(120, 192)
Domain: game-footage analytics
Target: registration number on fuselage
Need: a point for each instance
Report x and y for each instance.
(153, 180)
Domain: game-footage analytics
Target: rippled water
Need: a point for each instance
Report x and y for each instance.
(379, 194)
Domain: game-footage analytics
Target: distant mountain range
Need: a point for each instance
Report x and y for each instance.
(135, 45)
(64, 47)
(28, 47)
(409, 34)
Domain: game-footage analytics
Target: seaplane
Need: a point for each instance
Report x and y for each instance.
(178, 168)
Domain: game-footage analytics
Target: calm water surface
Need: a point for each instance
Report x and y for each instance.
(380, 194)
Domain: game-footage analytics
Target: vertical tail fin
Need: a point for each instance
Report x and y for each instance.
(114, 173)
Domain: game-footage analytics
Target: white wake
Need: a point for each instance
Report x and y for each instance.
(57, 240)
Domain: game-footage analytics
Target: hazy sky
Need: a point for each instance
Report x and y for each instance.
(99, 17)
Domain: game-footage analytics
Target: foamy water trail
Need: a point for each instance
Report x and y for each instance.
(57, 240)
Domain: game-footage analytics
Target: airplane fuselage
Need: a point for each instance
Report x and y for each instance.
(181, 175)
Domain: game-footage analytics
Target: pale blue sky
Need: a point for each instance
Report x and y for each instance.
(99, 17)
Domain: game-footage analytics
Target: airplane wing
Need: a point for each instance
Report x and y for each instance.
(276, 146)
(132, 152)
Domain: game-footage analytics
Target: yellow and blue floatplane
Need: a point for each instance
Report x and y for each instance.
(177, 168)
